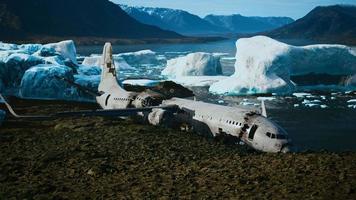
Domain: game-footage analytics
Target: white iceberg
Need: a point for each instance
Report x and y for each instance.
(301, 94)
(197, 81)
(265, 65)
(266, 98)
(139, 57)
(194, 64)
(119, 62)
(65, 48)
(351, 101)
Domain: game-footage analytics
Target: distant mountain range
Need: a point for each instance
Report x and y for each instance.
(68, 18)
(242, 24)
(189, 24)
(330, 24)
(175, 20)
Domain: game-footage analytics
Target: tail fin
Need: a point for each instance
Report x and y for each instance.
(263, 109)
(108, 80)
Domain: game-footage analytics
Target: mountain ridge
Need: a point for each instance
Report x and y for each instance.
(186, 23)
(336, 24)
(66, 18)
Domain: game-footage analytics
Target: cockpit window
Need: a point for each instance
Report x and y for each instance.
(268, 134)
(273, 136)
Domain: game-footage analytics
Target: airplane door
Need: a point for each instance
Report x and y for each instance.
(252, 132)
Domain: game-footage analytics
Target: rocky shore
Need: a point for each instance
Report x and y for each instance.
(106, 158)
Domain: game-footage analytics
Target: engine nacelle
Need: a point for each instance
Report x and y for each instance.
(145, 100)
(159, 116)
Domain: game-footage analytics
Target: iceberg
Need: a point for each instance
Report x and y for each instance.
(141, 82)
(40, 82)
(197, 81)
(139, 57)
(13, 66)
(65, 48)
(119, 62)
(16, 59)
(265, 65)
(194, 64)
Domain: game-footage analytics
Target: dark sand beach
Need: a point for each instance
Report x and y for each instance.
(106, 158)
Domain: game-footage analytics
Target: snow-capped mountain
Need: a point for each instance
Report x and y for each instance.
(174, 20)
(186, 23)
(241, 24)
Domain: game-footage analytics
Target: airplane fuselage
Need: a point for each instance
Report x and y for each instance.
(252, 128)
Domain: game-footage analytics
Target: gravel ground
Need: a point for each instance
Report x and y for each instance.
(105, 158)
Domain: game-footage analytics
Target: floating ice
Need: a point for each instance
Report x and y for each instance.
(312, 105)
(194, 64)
(119, 62)
(197, 81)
(265, 65)
(323, 106)
(296, 105)
(301, 94)
(266, 98)
(64, 48)
(221, 101)
(139, 57)
(352, 106)
(351, 101)
(141, 82)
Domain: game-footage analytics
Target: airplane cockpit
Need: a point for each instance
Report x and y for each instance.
(267, 136)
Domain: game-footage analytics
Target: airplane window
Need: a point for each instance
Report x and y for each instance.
(273, 136)
(268, 134)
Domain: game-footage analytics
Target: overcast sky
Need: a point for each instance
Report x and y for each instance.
(291, 8)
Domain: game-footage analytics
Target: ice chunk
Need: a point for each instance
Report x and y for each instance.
(119, 62)
(323, 106)
(40, 82)
(312, 105)
(265, 65)
(266, 98)
(221, 101)
(65, 48)
(14, 66)
(351, 101)
(352, 106)
(139, 57)
(89, 70)
(197, 81)
(2, 116)
(141, 82)
(194, 64)
(296, 105)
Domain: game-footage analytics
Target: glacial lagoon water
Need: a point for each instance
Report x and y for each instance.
(328, 125)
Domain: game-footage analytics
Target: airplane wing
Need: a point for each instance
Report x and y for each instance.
(90, 113)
